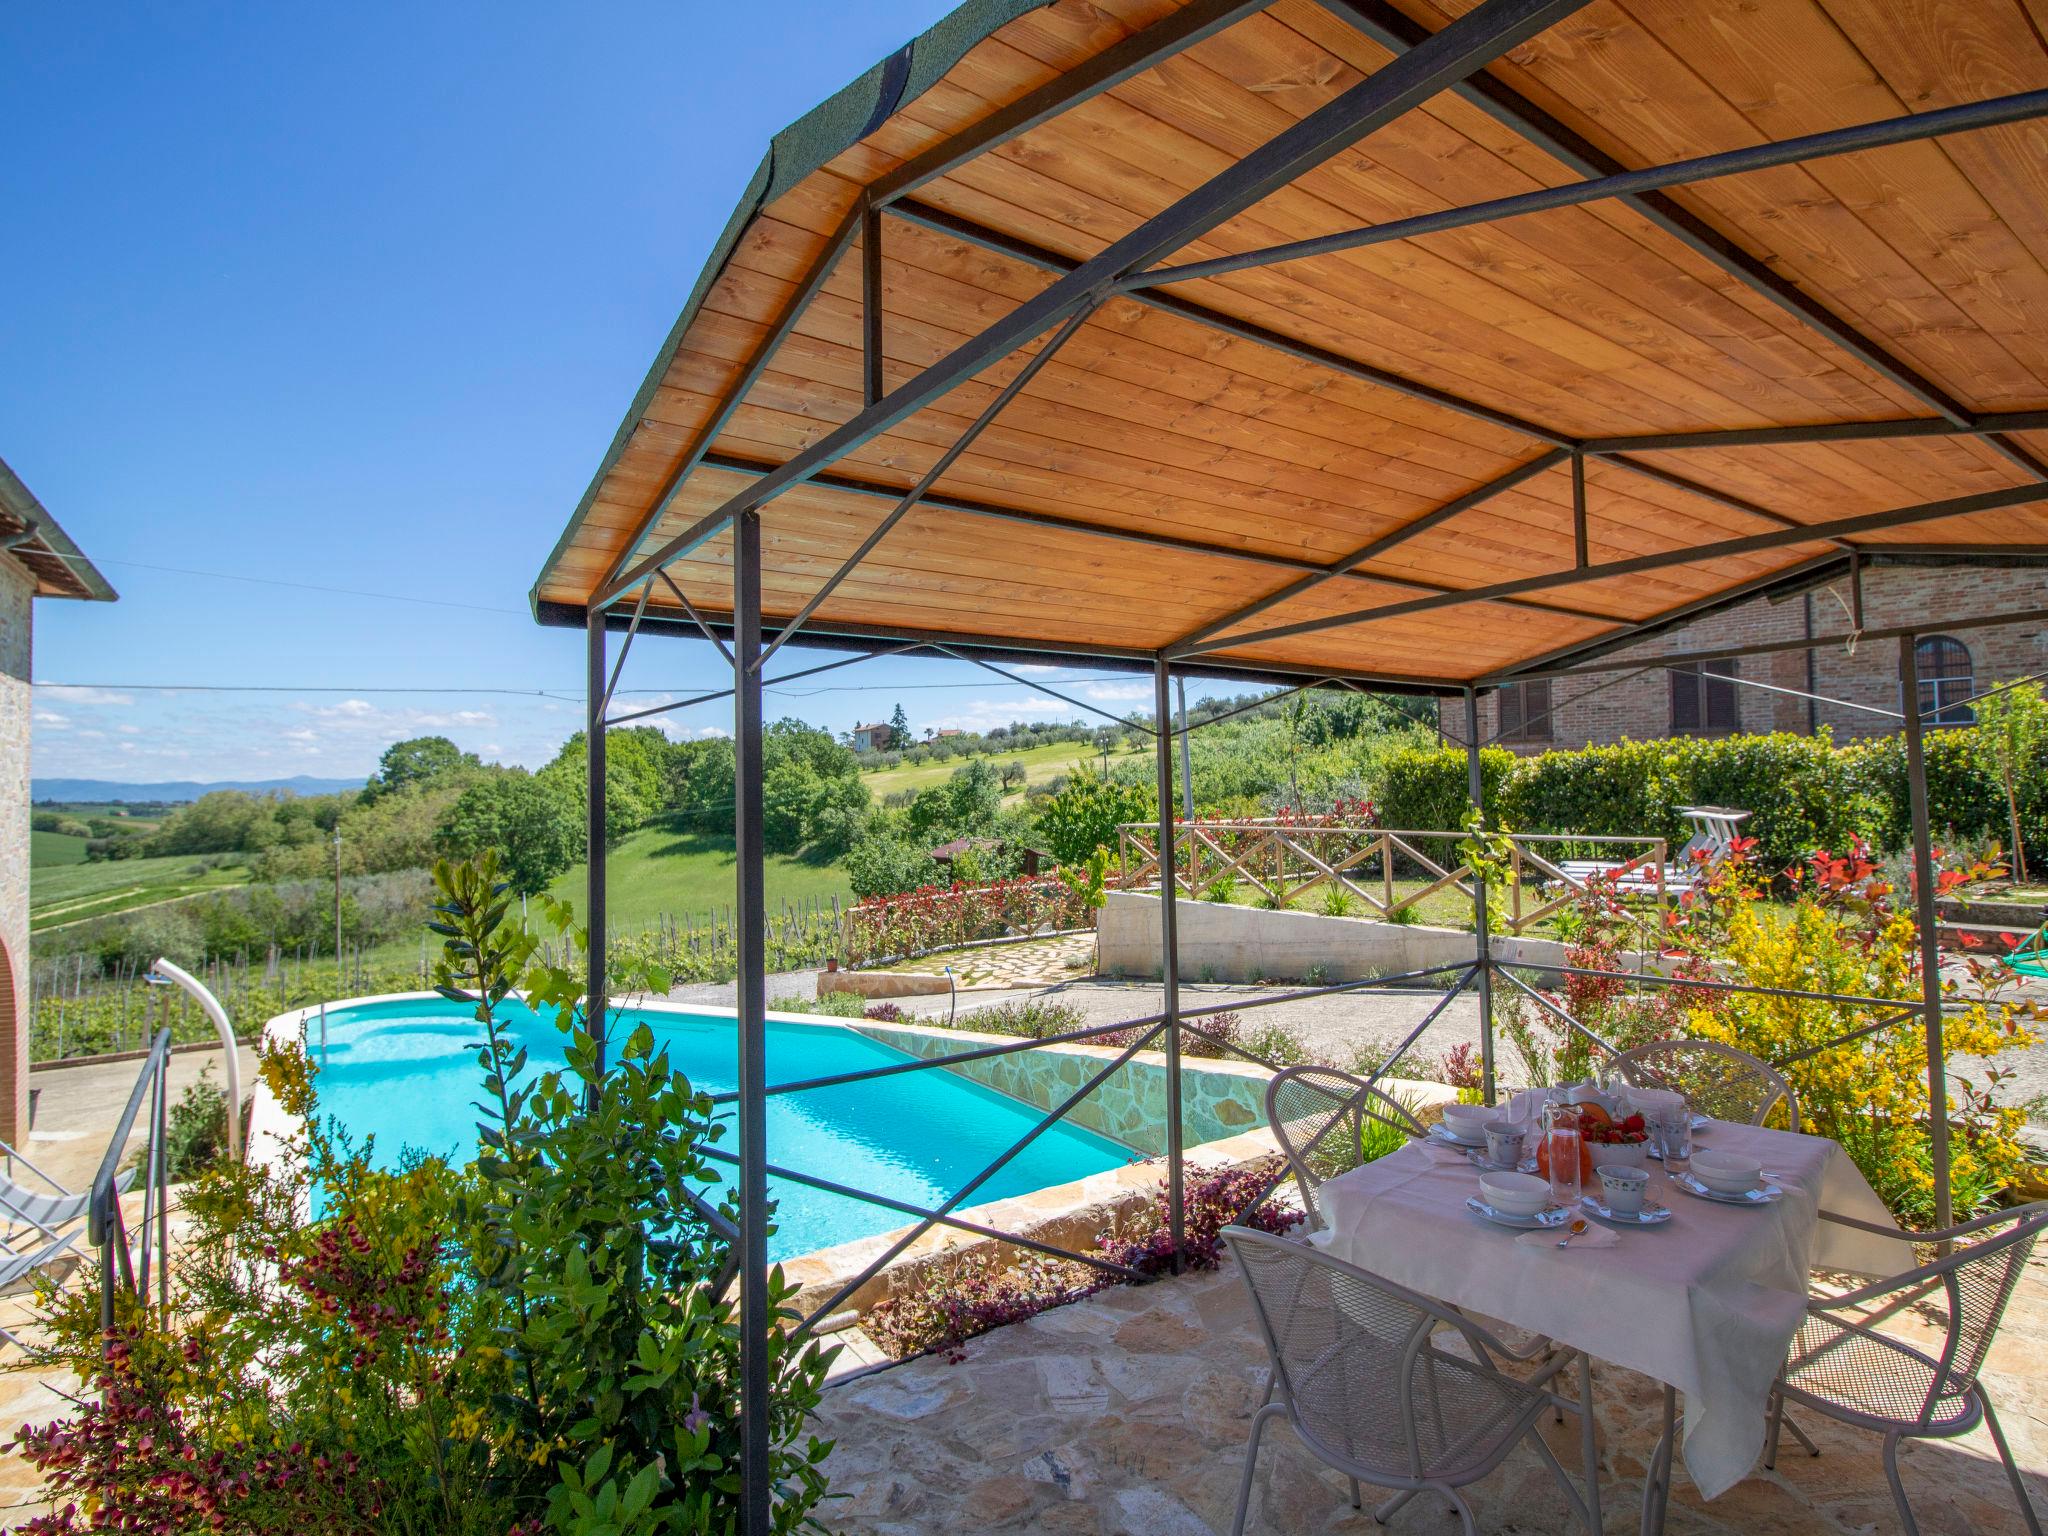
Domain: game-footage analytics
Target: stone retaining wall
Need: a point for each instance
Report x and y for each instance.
(1223, 942)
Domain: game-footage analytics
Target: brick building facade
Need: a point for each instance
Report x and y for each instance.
(36, 560)
(1697, 701)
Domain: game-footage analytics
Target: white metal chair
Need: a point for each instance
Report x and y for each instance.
(16, 1268)
(1320, 1116)
(1716, 1079)
(1391, 1388)
(1842, 1365)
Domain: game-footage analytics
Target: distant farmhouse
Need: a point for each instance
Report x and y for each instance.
(37, 560)
(1857, 685)
(874, 738)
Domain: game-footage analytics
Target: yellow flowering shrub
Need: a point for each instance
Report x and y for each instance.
(1841, 934)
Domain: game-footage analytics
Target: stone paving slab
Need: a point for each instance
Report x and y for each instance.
(1126, 1415)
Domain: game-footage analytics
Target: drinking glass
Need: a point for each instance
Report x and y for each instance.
(1674, 1136)
(1561, 1140)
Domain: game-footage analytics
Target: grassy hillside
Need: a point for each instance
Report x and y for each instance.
(60, 894)
(48, 848)
(665, 868)
(1040, 764)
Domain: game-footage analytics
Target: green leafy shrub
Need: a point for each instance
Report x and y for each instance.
(534, 1341)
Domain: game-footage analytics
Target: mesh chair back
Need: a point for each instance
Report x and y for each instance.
(1716, 1079)
(1362, 1368)
(1980, 1280)
(1321, 1118)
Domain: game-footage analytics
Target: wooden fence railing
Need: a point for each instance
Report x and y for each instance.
(1385, 871)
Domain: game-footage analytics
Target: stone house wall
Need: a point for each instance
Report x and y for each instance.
(16, 591)
(1639, 708)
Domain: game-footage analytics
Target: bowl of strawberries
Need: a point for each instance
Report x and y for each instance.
(1613, 1139)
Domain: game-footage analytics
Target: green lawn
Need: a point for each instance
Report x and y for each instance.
(665, 869)
(70, 893)
(50, 848)
(1040, 765)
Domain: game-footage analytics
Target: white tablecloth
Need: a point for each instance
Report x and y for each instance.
(1707, 1302)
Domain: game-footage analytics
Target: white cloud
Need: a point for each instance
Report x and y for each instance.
(51, 719)
(1111, 693)
(986, 714)
(65, 694)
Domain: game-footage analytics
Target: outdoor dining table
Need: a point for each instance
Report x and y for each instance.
(1706, 1303)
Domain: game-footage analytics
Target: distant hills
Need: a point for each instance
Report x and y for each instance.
(97, 791)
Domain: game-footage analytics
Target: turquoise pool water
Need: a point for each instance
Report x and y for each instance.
(404, 1071)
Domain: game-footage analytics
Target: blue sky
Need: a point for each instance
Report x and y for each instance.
(353, 298)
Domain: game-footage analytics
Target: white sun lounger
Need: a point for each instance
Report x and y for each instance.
(1718, 826)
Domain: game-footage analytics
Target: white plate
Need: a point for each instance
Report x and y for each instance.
(1479, 1160)
(1767, 1194)
(1442, 1133)
(1649, 1216)
(1556, 1216)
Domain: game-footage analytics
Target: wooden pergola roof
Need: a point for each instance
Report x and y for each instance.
(1480, 439)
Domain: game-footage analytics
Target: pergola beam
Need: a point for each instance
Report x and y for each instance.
(1345, 565)
(1466, 45)
(1030, 517)
(1812, 533)
(1391, 29)
(980, 235)
(1104, 71)
(1911, 128)
(757, 363)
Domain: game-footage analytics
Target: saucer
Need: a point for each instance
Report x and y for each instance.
(1766, 1194)
(1556, 1216)
(1649, 1216)
(1478, 1158)
(1441, 1133)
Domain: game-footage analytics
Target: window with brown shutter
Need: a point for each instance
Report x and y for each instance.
(1525, 711)
(1703, 699)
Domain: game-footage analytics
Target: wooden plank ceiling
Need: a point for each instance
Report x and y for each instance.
(1591, 322)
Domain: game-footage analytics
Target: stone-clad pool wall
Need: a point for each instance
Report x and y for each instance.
(1218, 1098)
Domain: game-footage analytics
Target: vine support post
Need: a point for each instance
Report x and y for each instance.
(1169, 953)
(1927, 920)
(1475, 790)
(750, 936)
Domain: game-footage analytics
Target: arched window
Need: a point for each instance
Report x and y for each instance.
(1946, 679)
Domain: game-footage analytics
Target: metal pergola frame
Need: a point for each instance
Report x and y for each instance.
(1424, 64)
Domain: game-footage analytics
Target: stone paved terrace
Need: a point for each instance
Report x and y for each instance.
(1126, 1415)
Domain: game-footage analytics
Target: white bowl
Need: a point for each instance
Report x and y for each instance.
(1630, 1154)
(1468, 1122)
(1726, 1173)
(1515, 1194)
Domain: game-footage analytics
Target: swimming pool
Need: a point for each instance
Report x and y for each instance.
(403, 1070)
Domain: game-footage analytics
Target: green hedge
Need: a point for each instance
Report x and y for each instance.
(1424, 788)
(1964, 796)
(1802, 791)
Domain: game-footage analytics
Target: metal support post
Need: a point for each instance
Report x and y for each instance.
(751, 935)
(1475, 789)
(1930, 935)
(595, 685)
(1169, 953)
(1187, 764)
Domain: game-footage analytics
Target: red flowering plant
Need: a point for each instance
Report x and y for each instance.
(933, 917)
